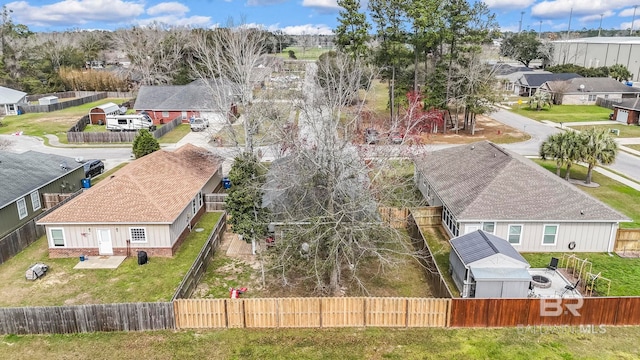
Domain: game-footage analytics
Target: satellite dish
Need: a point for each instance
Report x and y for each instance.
(581, 87)
(80, 159)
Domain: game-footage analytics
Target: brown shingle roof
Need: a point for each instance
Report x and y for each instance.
(482, 181)
(153, 189)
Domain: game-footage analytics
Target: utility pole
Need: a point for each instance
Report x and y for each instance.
(520, 23)
(540, 30)
(569, 27)
(600, 27)
(635, 7)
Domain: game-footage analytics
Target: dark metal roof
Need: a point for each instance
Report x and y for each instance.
(21, 174)
(478, 245)
(482, 181)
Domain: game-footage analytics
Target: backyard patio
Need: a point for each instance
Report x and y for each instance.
(551, 284)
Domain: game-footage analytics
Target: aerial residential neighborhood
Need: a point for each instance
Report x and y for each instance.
(461, 183)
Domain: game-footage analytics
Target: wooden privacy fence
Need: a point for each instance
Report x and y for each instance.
(87, 318)
(433, 272)
(77, 135)
(423, 216)
(192, 278)
(627, 240)
(215, 202)
(311, 312)
(536, 311)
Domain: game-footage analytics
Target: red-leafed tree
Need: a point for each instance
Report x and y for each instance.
(417, 119)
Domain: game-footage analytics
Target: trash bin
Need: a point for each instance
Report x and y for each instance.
(81, 257)
(86, 183)
(142, 257)
(226, 183)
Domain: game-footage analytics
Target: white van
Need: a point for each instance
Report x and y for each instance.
(131, 122)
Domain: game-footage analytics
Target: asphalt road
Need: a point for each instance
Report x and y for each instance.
(626, 164)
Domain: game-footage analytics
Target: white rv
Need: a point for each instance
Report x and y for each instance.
(131, 122)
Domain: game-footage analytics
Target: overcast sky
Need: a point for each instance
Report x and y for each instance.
(298, 16)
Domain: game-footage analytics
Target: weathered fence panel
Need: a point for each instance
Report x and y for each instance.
(427, 216)
(215, 202)
(627, 240)
(299, 312)
(87, 318)
(342, 312)
(261, 313)
(199, 267)
(428, 312)
(395, 217)
(77, 135)
(386, 312)
(433, 273)
(200, 313)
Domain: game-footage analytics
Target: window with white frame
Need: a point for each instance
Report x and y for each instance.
(489, 227)
(138, 235)
(35, 200)
(194, 207)
(165, 114)
(592, 97)
(550, 235)
(57, 237)
(22, 209)
(200, 196)
(515, 234)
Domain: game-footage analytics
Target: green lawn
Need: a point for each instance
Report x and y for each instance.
(620, 197)
(548, 343)
(626, 131)
(130, 282)
(624, 273)
(175, 135)
(55, 122)
(311, 53)
(564, 113)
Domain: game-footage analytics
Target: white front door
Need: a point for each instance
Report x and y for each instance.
(471, 228)
(105, 247)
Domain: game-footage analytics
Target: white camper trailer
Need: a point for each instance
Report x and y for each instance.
(131, 122)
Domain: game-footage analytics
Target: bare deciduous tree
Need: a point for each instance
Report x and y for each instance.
(325, 195)
(231, 56)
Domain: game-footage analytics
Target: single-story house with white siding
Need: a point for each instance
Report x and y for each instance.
(150, 204)
(484, 186)
(10, 100)
(585, 91)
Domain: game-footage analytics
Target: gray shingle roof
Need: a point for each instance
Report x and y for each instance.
(10, 96)
(195, 96)
(629, 104)
(21, 174)
(482, 181)
(535, 80)
(595, 84)
(478, 245)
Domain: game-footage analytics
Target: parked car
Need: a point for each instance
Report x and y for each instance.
(371, 136)
(395, 137)
(199, 124)
(93, 168)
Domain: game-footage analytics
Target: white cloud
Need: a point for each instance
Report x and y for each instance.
(75, 12)
(628, 13)
(262, 2)
(508, 4)
(558, 9)
(168, 8)
(596, 17)
(324, 6)
(307, 29)
(627, 25)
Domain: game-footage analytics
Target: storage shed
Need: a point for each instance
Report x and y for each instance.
(486, 266)
(48, 100)
(98, 114)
